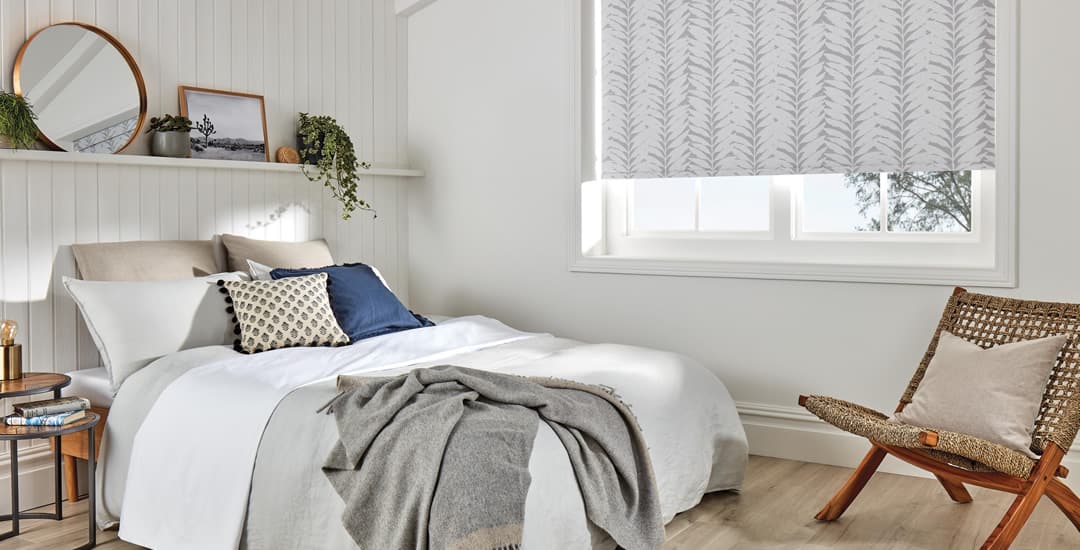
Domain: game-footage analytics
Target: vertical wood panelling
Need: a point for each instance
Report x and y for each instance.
(63, 219)
(13, 201)
(40, 252)
(169, 206)
(222, 44)
(108, 203)
(61, 10)
(12, 35)
(129, 203)
(336, 57)
(314, 81)
(150, 211)
(85, 11)
(204, 41)
(301, 64)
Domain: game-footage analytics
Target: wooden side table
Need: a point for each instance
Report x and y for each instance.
(31, 384)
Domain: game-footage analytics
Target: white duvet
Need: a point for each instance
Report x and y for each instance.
(196, 457)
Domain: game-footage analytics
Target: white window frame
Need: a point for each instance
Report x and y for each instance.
(601, 243)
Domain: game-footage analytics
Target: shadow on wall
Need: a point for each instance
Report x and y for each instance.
(276, 214)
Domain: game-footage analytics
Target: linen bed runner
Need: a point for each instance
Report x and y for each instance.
(439, 458)
(207, 464)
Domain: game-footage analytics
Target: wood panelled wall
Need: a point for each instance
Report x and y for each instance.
(337, 57)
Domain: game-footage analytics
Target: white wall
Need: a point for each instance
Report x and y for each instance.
(338, 57)
(489, 119)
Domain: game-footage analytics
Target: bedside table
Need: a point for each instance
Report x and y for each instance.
(37, 383)
(75, 447)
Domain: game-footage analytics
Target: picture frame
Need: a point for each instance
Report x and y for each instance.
(226, 125)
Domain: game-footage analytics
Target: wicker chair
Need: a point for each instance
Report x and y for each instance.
(956, 459)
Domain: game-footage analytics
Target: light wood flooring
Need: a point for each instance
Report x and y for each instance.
(774, 511)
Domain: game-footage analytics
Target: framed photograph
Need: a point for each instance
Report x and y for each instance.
(225, 125)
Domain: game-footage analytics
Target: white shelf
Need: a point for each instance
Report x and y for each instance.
(146, 160)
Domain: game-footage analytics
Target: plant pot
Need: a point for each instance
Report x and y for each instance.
(171, 144)
(309, 158)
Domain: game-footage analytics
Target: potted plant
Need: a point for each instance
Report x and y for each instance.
(172, 136)
(325, 145)
(17, 124)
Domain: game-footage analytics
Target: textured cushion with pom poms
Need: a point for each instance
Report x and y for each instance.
(281, 314)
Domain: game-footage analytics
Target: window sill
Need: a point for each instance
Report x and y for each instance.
(1001, 275)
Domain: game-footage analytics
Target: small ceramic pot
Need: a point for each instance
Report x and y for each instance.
(171, 144)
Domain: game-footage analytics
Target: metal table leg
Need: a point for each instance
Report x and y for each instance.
(57, 481)
(56, 473)
(14, 515)
(90, 461)
(14, 488)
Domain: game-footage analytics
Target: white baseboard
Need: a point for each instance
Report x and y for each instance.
(35, 480)
(796, 434)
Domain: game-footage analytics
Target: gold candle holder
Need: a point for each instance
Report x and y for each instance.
(10, 352)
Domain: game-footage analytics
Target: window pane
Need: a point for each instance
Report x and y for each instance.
(735, 204)
(938, 202)
(839, 203)
(664, 205)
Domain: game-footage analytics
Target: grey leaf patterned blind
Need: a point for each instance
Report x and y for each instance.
(696, 88)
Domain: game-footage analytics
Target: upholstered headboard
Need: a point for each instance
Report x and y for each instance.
(147, 260)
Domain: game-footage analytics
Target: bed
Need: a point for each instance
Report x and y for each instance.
(209, 448)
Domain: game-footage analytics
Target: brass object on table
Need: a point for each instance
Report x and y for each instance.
(10, 352)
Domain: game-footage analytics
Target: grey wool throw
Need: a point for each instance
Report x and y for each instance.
(439, 458)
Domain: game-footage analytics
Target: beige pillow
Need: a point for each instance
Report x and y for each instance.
(993, 394)
(275, 253)
(145, 260)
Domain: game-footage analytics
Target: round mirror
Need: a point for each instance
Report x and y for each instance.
(86, 89)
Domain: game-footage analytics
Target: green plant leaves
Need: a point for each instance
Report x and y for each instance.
(323, 140)
(169, 123)
(17, 120)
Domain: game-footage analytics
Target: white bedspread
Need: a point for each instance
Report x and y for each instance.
(204, 429)
(192, 461)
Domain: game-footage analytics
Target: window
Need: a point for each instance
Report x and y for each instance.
(666, 193)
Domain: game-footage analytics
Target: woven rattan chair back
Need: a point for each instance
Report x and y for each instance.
(990, 321)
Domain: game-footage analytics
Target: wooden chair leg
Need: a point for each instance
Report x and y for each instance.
(71, 475)
(1009, 527)
(846, 495)
(1065, 499)
(956, 490)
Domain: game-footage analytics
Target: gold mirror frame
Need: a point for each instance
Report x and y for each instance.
(143, 105)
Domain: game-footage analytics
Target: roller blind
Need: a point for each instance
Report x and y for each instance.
(697, 88)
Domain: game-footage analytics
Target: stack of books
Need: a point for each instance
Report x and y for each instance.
(50, 412)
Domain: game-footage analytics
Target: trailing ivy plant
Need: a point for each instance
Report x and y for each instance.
(169, 123)
(17, 120)
(325, 145)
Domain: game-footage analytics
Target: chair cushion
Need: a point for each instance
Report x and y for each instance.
(960, 450)
(993, 394)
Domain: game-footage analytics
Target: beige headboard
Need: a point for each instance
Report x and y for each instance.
(147, 260)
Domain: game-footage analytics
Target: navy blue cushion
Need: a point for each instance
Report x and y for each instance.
(364, 307)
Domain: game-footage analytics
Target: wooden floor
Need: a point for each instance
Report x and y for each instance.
(774, 510)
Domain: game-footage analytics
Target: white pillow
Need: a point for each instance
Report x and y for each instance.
(260, 272)
(136, 322)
